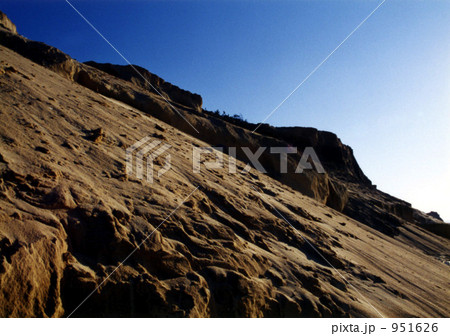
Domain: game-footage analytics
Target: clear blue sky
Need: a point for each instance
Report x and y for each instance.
(385, 92)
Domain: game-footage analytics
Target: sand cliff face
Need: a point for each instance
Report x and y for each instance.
(240, 245)
(152, 83)
(6, 23)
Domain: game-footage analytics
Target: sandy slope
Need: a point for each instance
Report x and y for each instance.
(69, 215)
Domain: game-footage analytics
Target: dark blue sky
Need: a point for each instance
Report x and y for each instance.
(385, 92)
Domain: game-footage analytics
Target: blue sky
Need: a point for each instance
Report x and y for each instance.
(385, 92)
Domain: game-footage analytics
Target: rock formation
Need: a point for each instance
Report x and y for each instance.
(152, 83)
(6, 23)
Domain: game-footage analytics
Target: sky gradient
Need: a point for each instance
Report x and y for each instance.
(385, 92)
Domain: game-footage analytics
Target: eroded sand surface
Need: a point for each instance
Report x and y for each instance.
(69, 215)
